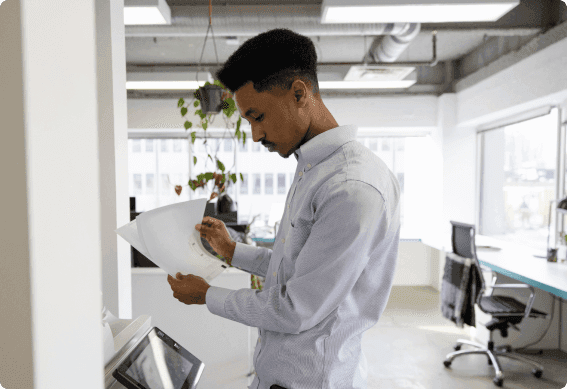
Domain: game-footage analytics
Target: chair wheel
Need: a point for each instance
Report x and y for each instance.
(457, 347)
(447, 363)
(537, 373)
(498, 381)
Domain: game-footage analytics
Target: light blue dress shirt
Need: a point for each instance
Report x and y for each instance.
(329, 275)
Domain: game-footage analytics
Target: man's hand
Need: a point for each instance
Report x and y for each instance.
(215, 232)
(189, 289)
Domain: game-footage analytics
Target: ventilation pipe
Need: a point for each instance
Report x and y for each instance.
(389, 48)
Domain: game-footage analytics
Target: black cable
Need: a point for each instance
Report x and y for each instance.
(545, 333)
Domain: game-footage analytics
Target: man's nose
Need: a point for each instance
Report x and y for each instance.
(257, 134)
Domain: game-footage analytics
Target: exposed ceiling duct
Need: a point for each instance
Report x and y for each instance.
(390, 47)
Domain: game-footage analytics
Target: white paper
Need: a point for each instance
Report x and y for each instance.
(167, 236)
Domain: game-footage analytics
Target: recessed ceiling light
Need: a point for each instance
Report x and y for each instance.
(414, 11)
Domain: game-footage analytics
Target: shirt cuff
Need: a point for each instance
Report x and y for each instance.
(215, 299)
(245, 256)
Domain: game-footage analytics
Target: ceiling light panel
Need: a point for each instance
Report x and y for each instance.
(144, 12)
(414, 11)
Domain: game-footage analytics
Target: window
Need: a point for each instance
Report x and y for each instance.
(149, 145)
(243, 148)
(137, 184)
(227, 145)
(257, 183)
(386, 144)
(136, 145)
(164, 145)
(269, 183)
(159, 171)
(517, 181)
(256, 147)
(373, 144)
(244, 184)
(177, 145)
(281, 183)
(150, 187)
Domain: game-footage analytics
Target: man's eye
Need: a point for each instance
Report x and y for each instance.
(260, 118)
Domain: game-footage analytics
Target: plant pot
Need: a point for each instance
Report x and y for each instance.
(225, 204)
(210, 97)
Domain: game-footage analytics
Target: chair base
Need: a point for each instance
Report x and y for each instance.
(492, 355)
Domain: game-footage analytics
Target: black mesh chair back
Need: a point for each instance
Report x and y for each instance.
(463, 243)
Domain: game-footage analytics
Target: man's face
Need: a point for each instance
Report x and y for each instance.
(275, 118)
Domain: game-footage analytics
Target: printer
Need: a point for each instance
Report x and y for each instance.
(139, 356)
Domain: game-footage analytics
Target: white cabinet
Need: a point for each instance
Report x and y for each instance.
(223, 345)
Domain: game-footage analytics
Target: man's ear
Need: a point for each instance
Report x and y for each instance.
(300, 92)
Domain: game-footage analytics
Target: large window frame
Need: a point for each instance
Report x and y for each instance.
(560, 157)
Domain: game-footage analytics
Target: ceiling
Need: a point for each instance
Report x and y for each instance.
(461, 48)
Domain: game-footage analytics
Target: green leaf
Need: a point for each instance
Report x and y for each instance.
(208, 176)
(238, 123)
(193, 136)
(183, 111)
(192, 185)
(233, 178)
(231, 108)
(243, 138)
(194, 160)
(205, 125)
(196, 103)
(180, 103)
(223, 179)
(200, 113)
(220, 165)
(187, 125)
(200, 177)
(241, 177)
(218, 83)
(207, 83)
(211, 158)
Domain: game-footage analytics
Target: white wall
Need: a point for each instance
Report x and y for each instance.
(52, 271)
(113, 151)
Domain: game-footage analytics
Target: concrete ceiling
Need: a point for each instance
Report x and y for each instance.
(457, 43)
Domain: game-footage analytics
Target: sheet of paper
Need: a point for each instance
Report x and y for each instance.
(130, 233)
(171, 241)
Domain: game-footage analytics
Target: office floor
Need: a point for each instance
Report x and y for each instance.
(406, 349)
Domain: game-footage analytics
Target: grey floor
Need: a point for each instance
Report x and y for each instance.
(406, 349)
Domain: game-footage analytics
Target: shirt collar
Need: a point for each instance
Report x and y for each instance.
(321, 146)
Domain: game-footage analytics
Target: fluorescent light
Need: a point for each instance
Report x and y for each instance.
(366, 84)
(143, 15)
(164, 85)
(413, 11)
(146, 12)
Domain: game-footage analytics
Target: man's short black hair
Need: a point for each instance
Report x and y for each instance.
(273, 58)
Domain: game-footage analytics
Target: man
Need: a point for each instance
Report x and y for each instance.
(330, 272)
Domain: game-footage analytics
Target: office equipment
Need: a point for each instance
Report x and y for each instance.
(158, 361)
(167, 236)
(505, 311)
(551, 254)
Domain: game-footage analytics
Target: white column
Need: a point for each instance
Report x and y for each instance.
(50, 281)
(113, 142)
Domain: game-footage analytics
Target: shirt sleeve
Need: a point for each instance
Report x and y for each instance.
(348, 225)
(254, 260)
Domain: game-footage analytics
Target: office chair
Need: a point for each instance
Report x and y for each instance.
(505, 311)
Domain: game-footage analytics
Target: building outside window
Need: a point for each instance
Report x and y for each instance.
(244, 184)
(150, 187)
(177, 145)
(164, 145)
(518, 169)
(137, 181)
(227, 145)
(257, 182)
(269, 184)
(243, 148)
(149, 145)
(281, 183)
(136, 145)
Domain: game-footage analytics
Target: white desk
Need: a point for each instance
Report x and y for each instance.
(517, 262)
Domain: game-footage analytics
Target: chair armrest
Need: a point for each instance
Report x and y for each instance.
(520, 286)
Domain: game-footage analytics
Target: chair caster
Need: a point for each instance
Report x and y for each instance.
(498, 381)
(537, 373)
(447, 363)
(457, 347)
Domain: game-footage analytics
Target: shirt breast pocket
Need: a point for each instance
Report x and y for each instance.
(296, 237)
